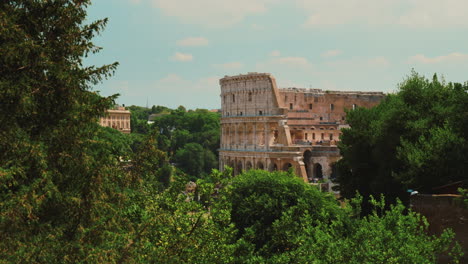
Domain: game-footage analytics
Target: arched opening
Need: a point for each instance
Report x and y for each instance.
(334, 174)
(239, 167)
(287, 166)
(308, 164)
(240, 136)
(273, 167)
(230, 163)
(250, 135)
(318, 171)
(260, 165)
(248, 165)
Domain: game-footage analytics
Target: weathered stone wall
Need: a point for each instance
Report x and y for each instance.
(248, 95)
(263, 127)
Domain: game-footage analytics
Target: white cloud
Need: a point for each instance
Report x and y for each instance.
(436, 13)
(331, 53)
(409, 13)
(275, 53)
(193, 41)
(336, 12)
(449, 58)
(293, 61)
(229, 66)
(212, 13)
(178, 56)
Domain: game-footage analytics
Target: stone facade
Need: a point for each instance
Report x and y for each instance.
(117, 118)
(264, 127)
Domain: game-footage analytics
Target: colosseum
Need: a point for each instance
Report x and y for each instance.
(264, 127)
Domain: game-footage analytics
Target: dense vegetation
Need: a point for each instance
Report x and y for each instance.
(415, 139)
(69, 193)
(191, 138)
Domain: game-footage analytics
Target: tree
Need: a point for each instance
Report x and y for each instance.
(151, 165)
(270, 210)
(376, 238)
(416, 138)
(60, 201)
(193, 139)
(191, 159)
(281, 219)
(139, 119)
(114, 143)
(173, 226)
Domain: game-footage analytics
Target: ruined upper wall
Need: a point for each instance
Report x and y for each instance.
(325, 106)
(255, 94)
(250, 94)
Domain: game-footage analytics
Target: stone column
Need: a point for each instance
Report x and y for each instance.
(222, 136)
(254, 137)
(244, 140)
(236, 135)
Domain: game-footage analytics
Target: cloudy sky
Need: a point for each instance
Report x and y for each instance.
(173, 52)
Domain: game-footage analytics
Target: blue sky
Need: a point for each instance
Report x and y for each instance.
(173, 52)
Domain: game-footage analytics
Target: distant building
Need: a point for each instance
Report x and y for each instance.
(117, 118)
(263, 127)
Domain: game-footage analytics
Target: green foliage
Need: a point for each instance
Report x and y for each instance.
(464, 197)
(195, 160)
(151, 164)
(271, 209)
(384, 236)
(280, 219)
(112, 142)
(175, 227)
(193, 139)
(178, 131)
(60, 191)
(414, 139)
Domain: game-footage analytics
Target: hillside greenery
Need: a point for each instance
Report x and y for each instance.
(414, 139)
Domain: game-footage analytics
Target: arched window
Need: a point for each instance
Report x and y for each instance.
(233, 98)
(310, 106)
(250, 97)
(354, 106)
(318, 171)
(287, 166)
(332, 107)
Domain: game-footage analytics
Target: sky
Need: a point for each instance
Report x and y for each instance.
(173, 52)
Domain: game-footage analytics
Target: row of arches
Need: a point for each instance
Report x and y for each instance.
(248, 134)
(316, 167)
(241, 165)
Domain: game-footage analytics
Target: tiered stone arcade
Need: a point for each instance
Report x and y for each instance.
(263, 127)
